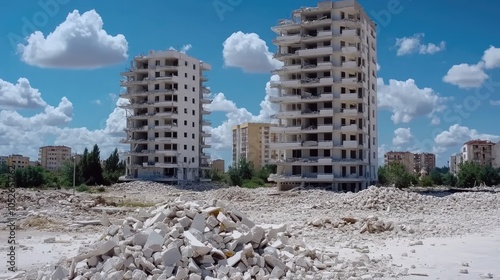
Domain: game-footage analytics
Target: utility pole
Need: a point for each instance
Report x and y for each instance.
(74, 172)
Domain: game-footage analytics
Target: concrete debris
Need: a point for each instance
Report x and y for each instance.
(199, 240)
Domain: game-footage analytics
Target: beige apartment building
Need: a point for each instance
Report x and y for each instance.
(52, 158)
(3, 160)
(18, 161)
(218, 165)
(166, 117)
(327, 95)
(404, 158)
(482, 152)
(251, 142)
(424, 163)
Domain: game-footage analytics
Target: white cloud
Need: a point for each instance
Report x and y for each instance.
(97, 101)
(80, 42)
(20, 95)
(222, 135)
(248, 52)
(402, 136)
(466, 76)
(495, 102)
(378, 67)
(458, 135)
(491, 58)
(184, 48)
(407, 101)
(413, 44)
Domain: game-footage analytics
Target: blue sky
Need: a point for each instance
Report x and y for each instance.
(439, 81)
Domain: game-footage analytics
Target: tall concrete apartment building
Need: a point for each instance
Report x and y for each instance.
(52, 158)
(165, 118)
(251, 141)
(327, 98)
(424, 163)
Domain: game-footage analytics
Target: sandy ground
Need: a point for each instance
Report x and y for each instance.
(456, 232)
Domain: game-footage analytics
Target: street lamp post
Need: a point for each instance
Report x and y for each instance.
(74, 173)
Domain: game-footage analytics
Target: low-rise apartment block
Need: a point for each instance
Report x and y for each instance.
(18, 161)
(251, 142)
(404, 158)
(218, 165)
(415, 163)
(52, 158)
(3, 160)
(165, 118)
(482, 152)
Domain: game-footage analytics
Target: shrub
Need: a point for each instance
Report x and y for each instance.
(83, 188)
(426, 181)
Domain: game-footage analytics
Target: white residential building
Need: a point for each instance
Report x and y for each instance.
(327, 98)
(165, 118)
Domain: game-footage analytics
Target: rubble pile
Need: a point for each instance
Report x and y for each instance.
(201, 240)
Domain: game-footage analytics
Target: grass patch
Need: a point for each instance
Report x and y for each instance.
(83, 188)
(254, 183)
(135, 204)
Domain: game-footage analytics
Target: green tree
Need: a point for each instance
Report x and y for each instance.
(396, 174)
(264, 172)
(113, 168)
(426, 181)
(449, 180)
(84, 166)
(29, 177)
(66, 174)
(382, 175)
(4, 169)
(489, 176)
(436, 176)
(112, 163)
(468, 174)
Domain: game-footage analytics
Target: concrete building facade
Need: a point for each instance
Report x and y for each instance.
(478, 151)
(218, 165)
(251, 141)
(165, 118)
(3, 160)
(18, 161)
(327, 95)
(455, 160)
(52, 158)
(404, 158)
(496, 155)
(424, 163)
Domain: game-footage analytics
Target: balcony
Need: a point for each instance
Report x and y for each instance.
(349, 33)
(205, 101)
(130, 140)
(205, 112)
(285, 145)
(143, 104)
(350, 144)
(288, 114)
(170, 103)
(318, 81)
(133, 82)
(317, 22)
(170, 77)
(287, 39)
(350, 50)
(287, 68)
(139, 116)
(349, 128)
(320, 35)
(350, 81)
(165, 152)
(162, 139)
(203, 78)
(205, 134)
(205, 155)
(327, 112)
(348, 96)
(163, 114)
(285, 24)
(350, 64)
(163, 127)
(285, 84)
(136, 129)
(285, 129)
(206, 122)
(350, 112)
(288, 98)
(315, 51)
(205, 146)
(205, 90)
(287, 54)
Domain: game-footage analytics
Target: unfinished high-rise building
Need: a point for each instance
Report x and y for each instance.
(165, 118)
(327, 98)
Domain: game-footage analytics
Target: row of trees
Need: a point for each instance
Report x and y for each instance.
(470, 174)
(244, 174)
(88, 171)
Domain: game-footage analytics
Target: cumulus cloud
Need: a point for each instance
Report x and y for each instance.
(248, 52)
(402, 136)
(20, 95)
(24, 135)
(222, 134)
(457, 135)
(413, 44)
(407, 101)
(473, 75)
(466, 76)
(495, 102)
(80, 42)
(491, 58)
(183, 49)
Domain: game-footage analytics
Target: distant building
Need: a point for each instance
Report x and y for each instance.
(3, 160)
(405, 158)
(217, 165)
(496, 155)
(455, 160)
(18, 161)
(52, 158)
(34, 163)
(478, 151)
(424, 163)
(251, 142)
